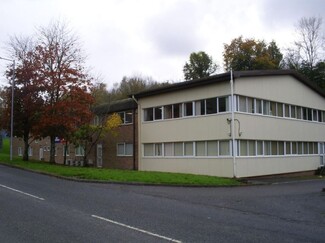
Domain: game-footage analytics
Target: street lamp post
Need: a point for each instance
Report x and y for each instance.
(12, 104)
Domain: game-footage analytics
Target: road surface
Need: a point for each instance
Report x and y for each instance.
(39, 208)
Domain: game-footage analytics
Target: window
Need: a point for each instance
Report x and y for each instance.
(300, 147)
(148, 114)
(79, 151)
(200, 148)
(299, 115)
(158, 113)
(266, 107)
(30, 151)
(258, 108)
(319, 116)
(280, 148)
(168, 149)
(259, 147)
(294, 148)
(250, 105)
(224, 148)
(315, 113)
(251, 148)
(243, 148)
(188, 109)
(178, 149)
(267, 148)
(279, 109)
(274, 148)
(148, 149)
(20, 151)
(223, 104)
(211, 106)
(120, 149)
(311, 148)
(286, 110)
(315, 148)
(288, 148)
(126, 117)
(200, 107)
(168, 111)
(242, 104)
(304, 113)
(158, 149)
(188, 149)
(177, 110)
(310, 114)
(212, 147)
(293, 112)
(273, 109)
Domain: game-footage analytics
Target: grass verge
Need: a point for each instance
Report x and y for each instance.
(110, 175)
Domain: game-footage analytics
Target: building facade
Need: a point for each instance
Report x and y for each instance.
(116, 151)
(251, 123)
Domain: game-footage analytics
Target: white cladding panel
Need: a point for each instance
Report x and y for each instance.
(258, 127)
(222, 167)
(285, 89)
(197, 93)
(258, 166)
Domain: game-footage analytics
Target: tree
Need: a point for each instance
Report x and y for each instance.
(251, 54)
(200, 65)
(66, 83)
(310, 40)
(27, 91)
(88, 135)
(132, 85)
(306, 55)
(100, 93)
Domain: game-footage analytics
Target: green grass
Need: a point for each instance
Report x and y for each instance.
(115, 175)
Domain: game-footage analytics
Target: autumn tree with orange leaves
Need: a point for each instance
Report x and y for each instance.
(28, 102)
(66, 83)
(250, 54)
(52, 88)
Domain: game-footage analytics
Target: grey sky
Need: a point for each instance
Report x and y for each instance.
(155, 37)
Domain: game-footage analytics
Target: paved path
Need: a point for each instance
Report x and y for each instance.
(38, 208)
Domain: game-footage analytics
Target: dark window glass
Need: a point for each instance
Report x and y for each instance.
(223, 104)
(188, 109)
(211, 106)
(148, 114)
(158, 113)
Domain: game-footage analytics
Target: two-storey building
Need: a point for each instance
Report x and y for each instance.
(239, 124)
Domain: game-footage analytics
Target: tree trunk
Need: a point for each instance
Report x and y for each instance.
(52, 150)
(26, 147)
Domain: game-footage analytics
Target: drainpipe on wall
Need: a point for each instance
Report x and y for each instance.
(134, 134)
(233, 123)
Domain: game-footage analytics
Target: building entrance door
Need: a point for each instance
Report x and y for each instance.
(41, 153)
(99, 155)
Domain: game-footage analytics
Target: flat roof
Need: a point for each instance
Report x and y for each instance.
(223, 77)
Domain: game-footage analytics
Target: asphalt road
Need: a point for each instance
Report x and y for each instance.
(39, 208)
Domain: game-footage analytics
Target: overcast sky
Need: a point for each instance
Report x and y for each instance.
(155, 37)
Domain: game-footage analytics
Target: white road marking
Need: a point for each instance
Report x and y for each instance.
(25, 193)
(136, 229)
